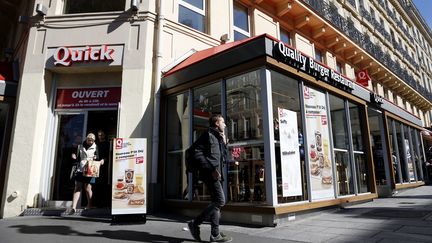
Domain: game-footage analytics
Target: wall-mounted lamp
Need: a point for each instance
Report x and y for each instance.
(41, 9)
(134, 5)
(22, 19)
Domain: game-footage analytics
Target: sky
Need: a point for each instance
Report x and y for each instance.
(425, 8)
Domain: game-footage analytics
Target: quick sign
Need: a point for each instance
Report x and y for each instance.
(88, 98)
(376, 98)
(296, 59)
(64, 56)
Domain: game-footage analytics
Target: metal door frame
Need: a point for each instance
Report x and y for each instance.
(53, 164)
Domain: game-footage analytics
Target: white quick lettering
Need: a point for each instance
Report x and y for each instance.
(90, 94)
(66, 56)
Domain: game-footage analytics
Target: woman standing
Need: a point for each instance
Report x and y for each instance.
(87, 151)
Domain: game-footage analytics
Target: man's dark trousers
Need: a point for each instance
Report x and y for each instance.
(212, 212)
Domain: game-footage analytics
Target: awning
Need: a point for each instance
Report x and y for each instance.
(210, 52)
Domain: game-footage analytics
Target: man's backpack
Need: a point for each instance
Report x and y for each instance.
(192, 161)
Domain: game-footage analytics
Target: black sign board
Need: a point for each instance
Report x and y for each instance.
(296, 59)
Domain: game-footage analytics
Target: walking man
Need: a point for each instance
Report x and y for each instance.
(211, 152)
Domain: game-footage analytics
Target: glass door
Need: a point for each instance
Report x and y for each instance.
(379, 152)
(71, 128)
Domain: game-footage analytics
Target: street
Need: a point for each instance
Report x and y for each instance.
(406, 217)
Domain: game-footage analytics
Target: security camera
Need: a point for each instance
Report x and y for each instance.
(134, 5)
(224, 38)
(41, 9)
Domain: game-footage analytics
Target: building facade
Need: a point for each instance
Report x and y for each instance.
(304, 133)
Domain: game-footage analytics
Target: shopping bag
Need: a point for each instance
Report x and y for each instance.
(91, 168)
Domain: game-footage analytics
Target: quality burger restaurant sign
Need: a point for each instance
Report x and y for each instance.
(297, 59)
(85, 56)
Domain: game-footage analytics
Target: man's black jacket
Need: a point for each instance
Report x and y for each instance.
(210, 150)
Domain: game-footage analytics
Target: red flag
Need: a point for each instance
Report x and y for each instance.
(363, 78)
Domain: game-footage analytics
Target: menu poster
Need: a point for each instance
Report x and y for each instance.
(129, 192)
(318, 137)
(290, 155)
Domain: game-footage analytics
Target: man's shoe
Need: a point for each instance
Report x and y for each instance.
(220, 238)
(194, 230)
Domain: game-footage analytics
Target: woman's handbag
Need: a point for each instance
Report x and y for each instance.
(74, 169)
(73, 172)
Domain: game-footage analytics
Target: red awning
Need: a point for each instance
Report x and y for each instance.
(201, 55)
(6, 71)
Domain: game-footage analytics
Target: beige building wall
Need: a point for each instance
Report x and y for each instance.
(30, 155)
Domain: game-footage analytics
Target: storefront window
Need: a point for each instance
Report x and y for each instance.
(246, 147)
(358, 148)
(345, 183)
(206, 101)
(93, 6)
(418, 153)
(177, 137)
(394, 152)
(375, 129)
(412, 173)
(402, 151)
(290, 168)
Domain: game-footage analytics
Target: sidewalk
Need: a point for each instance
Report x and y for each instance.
(407, 217)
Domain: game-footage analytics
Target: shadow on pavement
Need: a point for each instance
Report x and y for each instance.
(414, 196)
(140, 236)
(128, 235)
(86, 219)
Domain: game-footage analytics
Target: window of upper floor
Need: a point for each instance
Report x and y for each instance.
(375, 87)
(241, 22)
(193, 14)
(386, 91)
(319, 55)
(285, 36)
(340, 68)
(372, 12)
(93, 6)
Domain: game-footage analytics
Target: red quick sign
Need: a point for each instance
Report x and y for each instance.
(88, 98)
(65, 56)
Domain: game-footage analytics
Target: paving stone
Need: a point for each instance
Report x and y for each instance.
(401, 237)
(416, 230)
(353, 232)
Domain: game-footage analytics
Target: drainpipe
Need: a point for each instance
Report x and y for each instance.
(157, 74)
